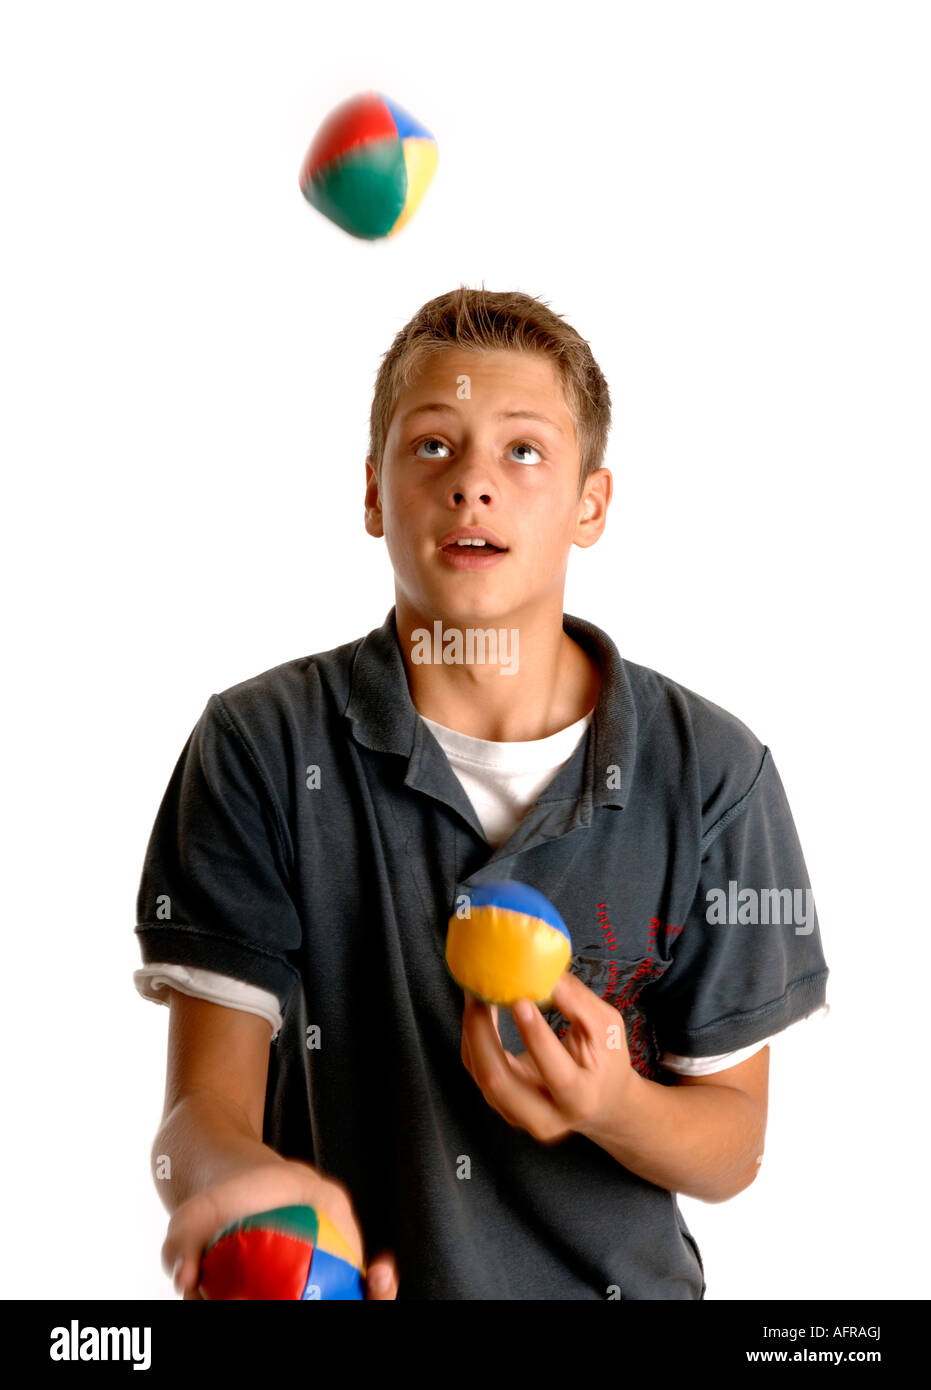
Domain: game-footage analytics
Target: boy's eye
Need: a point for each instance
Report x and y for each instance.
(430, 441)
(522, 444)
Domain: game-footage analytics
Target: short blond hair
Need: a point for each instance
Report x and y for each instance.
(489, 320)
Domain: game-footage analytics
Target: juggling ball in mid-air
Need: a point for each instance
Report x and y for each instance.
(368, 166)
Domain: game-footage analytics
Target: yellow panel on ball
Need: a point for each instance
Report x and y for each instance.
(420, 158)
(512, 945)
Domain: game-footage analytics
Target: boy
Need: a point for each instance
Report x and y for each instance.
(327, 817)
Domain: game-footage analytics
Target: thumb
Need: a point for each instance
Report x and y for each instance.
(382, 1277)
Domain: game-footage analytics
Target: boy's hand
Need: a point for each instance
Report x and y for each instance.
(556, 1087)
(275, 1184)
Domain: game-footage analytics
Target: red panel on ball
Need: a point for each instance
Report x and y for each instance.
(256, 1264)
(360, 118)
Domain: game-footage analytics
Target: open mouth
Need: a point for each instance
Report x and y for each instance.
(486, 548)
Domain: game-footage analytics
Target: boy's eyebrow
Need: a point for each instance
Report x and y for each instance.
(501, 414)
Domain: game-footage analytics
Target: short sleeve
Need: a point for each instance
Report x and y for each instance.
(748, 961)
(214, 892)
(156, 982)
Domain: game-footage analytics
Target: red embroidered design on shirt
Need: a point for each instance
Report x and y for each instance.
(620, 984)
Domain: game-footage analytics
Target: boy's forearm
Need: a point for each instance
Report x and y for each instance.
(702, 1141)
(201, 1142)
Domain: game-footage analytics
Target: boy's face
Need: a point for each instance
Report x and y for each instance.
(465, 448)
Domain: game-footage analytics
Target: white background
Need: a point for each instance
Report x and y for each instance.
(730, 202)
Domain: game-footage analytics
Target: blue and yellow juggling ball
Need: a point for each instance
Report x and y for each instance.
(286, 1253)
(368, 166)
(512, 945)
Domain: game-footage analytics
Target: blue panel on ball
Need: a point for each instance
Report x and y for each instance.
(518, 897)
(405, 122)
(332, 1278)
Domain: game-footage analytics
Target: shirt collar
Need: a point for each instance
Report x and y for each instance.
(385, 719)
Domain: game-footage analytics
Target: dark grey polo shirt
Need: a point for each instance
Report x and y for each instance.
(313, 841)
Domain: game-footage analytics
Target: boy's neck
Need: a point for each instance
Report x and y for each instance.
(542, 682)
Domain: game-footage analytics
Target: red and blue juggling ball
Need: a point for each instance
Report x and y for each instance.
(286, 1253)
(368, 166)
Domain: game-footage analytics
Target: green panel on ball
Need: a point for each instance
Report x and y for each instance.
(298, 1221)
(363, 191)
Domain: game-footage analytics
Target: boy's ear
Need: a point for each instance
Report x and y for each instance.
(373, 521)
(595, 501)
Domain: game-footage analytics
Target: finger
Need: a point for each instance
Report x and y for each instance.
(558, 1071)
(382, 1279)
(523, 1064)
(189, 1230)
(494, 1018)
(578, 1004)
(172, 1254)
(464, 1045)
(185, 1277)
(478, 1015)
(593, 1021)
(474, 1007)
(504, 1080)
(525, 1067)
